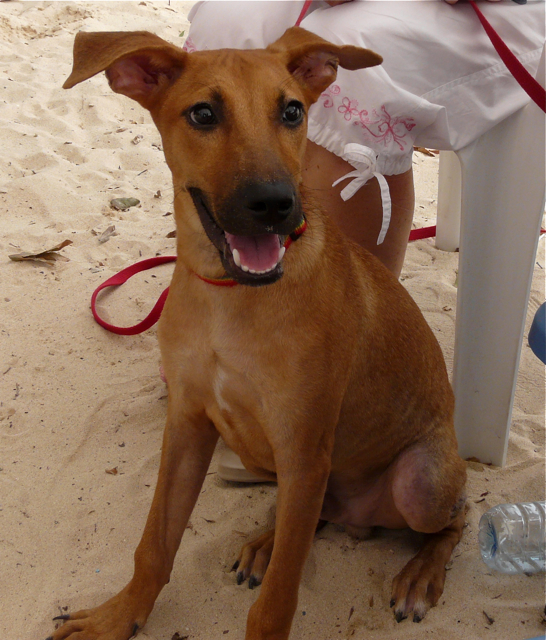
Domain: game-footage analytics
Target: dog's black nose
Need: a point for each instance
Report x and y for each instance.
(269, 202)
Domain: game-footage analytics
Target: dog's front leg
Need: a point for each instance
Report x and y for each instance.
(188, 444)
(185, 458)
(302, 479)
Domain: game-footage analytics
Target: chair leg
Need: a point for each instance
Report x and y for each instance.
(502, 205)
(448, 218)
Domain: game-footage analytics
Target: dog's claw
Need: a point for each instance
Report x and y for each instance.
(392, 603)
(417, 617)
(235, 566)
(135, 630)
(65, 616)
(253, 582)
(240, 577)
(399, 616)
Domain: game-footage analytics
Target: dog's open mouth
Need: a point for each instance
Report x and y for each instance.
(258, 254)
(249, 259)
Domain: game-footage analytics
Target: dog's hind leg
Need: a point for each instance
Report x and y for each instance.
(421, 582)
(428, 491)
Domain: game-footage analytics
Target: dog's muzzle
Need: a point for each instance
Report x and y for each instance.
(250, 229)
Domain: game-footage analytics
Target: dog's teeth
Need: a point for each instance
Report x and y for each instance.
(281, 253)
(236, 257)
(244, 268)
(252, 271)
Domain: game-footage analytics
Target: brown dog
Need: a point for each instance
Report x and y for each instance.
(318, 369)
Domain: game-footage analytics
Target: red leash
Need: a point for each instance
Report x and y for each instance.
(525, 79)
(304, 10)
(121, 278)
(529, 84)
(155, 313)
(520, 73)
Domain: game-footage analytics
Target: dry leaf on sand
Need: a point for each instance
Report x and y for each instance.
(48, 255)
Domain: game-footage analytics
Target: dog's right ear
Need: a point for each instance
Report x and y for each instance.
(138, 64)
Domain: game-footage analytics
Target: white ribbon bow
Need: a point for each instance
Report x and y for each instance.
(364, 160)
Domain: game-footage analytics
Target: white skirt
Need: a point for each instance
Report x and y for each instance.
(441, 85)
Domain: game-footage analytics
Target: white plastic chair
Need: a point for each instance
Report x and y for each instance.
(494, 220)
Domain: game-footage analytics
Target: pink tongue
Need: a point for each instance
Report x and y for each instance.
(259, 253)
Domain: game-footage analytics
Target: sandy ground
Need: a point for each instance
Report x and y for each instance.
(77, 402)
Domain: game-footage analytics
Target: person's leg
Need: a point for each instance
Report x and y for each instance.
(361, 216)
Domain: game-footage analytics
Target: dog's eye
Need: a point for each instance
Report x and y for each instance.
(202, 115)
(293, 113)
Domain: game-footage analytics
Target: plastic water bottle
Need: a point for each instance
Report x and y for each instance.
(512, 537)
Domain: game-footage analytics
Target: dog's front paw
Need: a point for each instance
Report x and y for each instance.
(253, 560)
(113, 620)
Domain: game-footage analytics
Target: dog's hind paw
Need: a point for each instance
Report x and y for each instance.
(254, 559)
(417, 588)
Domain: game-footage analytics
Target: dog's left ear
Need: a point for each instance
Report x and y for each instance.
(314, 61)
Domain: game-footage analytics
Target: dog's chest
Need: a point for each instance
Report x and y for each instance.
(234, 391)
(220, 390)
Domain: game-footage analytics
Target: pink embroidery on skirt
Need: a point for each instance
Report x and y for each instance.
(348, 108)
(381, 127)
(328, 96)
(189, 45)
(389, 129)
